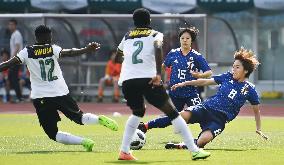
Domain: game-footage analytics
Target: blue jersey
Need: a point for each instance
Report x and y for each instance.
(231, 96)
(180, 70)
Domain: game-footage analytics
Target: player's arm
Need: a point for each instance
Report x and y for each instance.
(158, 56)
(156, 81)
(7, 64)
(118, 56)
(256, 112)
(198, 82)
(91, 47)
(206, 74)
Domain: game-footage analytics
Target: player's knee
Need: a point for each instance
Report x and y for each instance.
(185, 115)
(138, 112)
(172, 115)
(204, 138)
(169, 110)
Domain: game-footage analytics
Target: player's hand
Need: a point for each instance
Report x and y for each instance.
(178, 85)
(195, 74)
(261, 134)
(93, 46)
(156, 81)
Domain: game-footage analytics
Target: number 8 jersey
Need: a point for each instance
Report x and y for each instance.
(139, 53)
(45, 73)
(231, 95)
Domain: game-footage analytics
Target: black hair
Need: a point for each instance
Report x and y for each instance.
(141, 18)
(43, 34)
(191, 30)
(14, 21)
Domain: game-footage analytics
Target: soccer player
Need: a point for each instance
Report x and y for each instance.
(224, 106)
(186, 64)
(49, 91)
(140, 77)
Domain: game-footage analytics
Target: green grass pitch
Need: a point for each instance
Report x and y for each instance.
(22, 141)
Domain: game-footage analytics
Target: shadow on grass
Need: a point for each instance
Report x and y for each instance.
(52, 152)
(144, 162)
(228, 149)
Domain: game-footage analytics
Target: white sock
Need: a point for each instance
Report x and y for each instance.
(130, 128)
(89, 118)
(67, 138)
(181, 128)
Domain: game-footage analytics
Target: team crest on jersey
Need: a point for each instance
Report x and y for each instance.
(244, 89)
(190, 65)
(40, 51)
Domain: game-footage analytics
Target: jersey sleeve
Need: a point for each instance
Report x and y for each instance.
(253, 97)
(219, 79)
(168, 60)
(203, 64)
(159, 37)
(56, 50)
(121, 45)
(22, 55)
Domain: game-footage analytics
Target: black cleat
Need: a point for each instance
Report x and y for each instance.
(171, 145)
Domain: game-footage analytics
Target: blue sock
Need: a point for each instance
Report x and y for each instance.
(161, 122)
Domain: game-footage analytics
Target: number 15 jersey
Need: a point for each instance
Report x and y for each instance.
(139, 53)
(45, 73)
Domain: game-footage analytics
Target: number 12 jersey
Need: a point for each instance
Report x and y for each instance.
(45, 73)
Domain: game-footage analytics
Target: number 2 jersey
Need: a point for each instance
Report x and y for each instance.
(45, 73)
(231, 96)
(139, 53)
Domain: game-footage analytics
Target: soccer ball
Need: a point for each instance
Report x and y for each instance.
(138, 140)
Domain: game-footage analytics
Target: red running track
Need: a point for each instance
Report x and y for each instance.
(275, 110)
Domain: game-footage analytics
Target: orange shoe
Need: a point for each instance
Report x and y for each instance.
(125, 156)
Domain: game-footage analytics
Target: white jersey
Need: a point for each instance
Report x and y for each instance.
(139, 53)
(45, 73)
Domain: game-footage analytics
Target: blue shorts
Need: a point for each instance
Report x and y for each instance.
(209, 120)
(179, 103)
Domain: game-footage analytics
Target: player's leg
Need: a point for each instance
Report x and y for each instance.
(101, 89)
(163, 122)
(204, 138)
(132, 91)
(158, 97)
(212, 126)
(115, 89)
(68, 106)
(48, 117)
